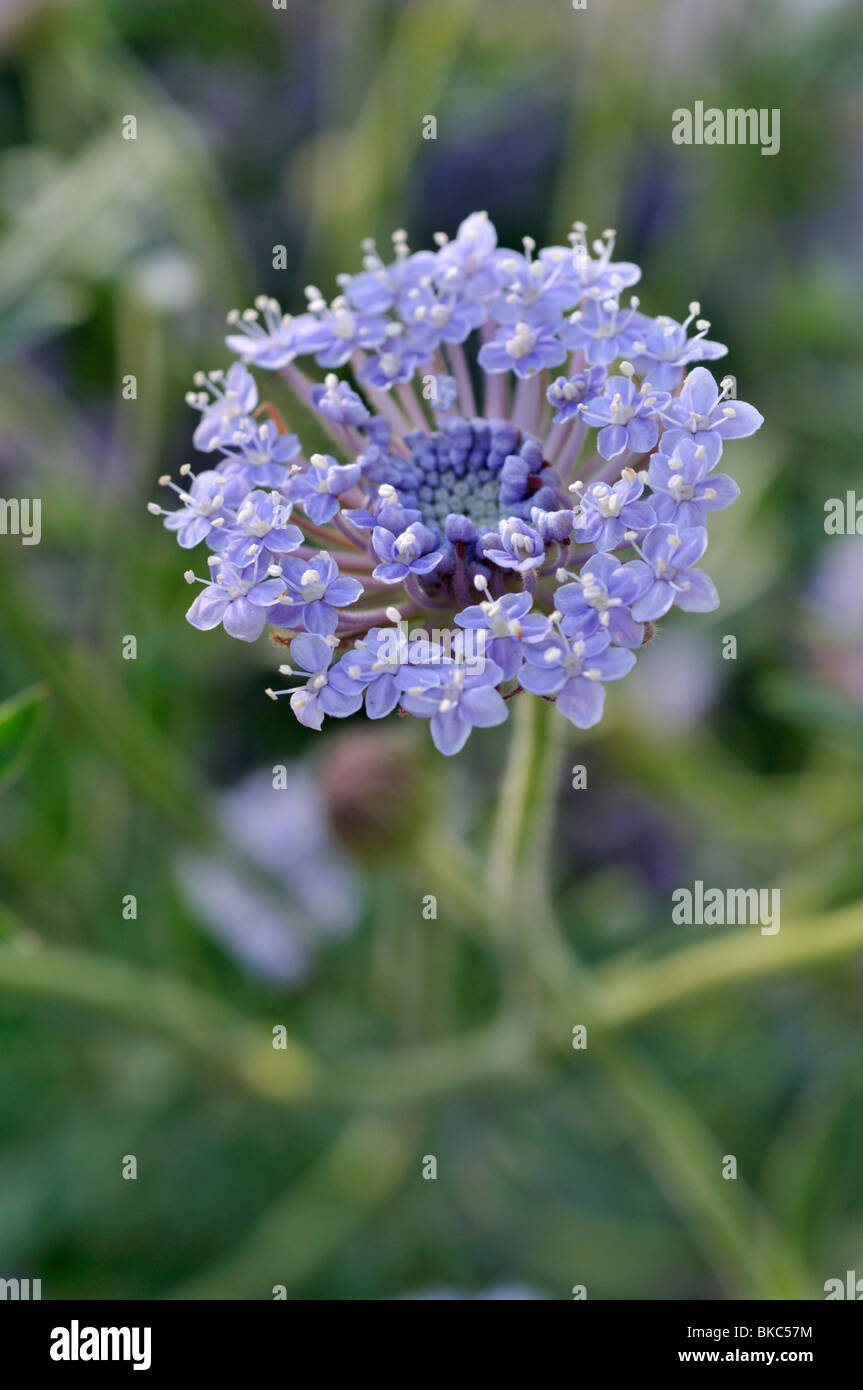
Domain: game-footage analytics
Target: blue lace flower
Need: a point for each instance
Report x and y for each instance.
(259, 454)
(601, 596)
(314, 591)
(684, 489)
(338, 402)
(602, 330)
(206, 504)
(318, 491)
(414, 551)
(704, 414)
(223, 399)
(566, 394)
(572, 669)
(260, 530)
(666, 349)
(668, 576)
(628, 418)
(478, 531)
(236, 598)
(327, 690)
(517, 547)
(524, 349)
(609, 514)
(509, 623)
(453, 699)
(341, 331)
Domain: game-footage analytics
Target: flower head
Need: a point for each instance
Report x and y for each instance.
(457, 548)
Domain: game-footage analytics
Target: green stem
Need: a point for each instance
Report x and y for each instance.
(751, 1256)
(631, 993)
(242, 1048)
(748, 1252)
(521, 835)
(364, 1167)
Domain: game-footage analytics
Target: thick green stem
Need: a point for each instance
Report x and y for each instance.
(520, 844)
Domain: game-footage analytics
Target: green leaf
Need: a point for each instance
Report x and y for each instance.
(21, 719)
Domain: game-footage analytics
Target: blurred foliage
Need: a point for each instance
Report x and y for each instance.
(144, 1036)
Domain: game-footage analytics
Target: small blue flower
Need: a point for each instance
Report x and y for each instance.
(572, 669)
(397, 363)
(442, 507)
(608, 512)
(566, 394)
(524, 349)
(602, 330)
(705, 415)
(454, 699)
(509, 623)
(667, 574)
(313, 590)
(338, 402)
(466, 264)
(318, 490)
(532, 291)
(384, 510)
(432, 318)
(327, 691)
(260, 529)
(238, 599)
(666, 349)
(275, 342)
(684, 489)
(259, 453)
(516, 546)
(207, 504)
(627, 417)
(413, 551)
(374, 663)
(224, 400)
(376, 287)
(599, 276)
(601, 597)
(379, 657)
(342, 331)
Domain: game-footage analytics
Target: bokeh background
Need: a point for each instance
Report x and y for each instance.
(150, 1035)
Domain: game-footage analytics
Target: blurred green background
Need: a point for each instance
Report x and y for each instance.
(151, 1034)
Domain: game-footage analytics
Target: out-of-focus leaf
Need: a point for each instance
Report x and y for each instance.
(21, 718)
(801, 700)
